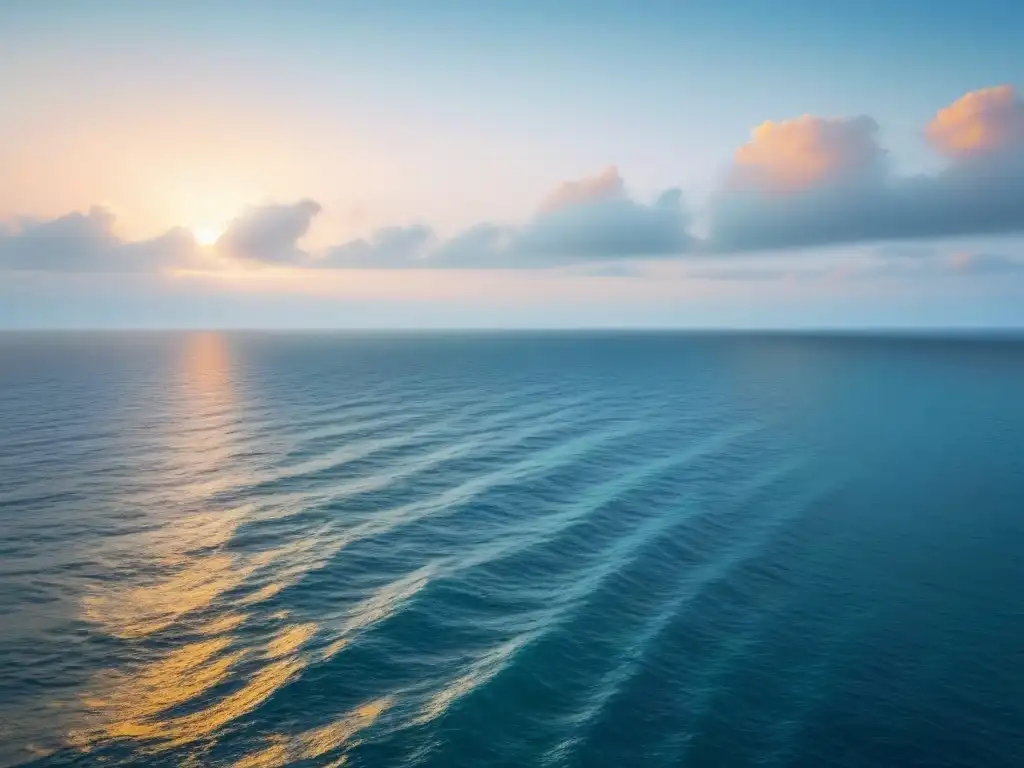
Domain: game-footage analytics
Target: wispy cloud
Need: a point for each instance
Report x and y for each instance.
(919, 262)
(985, 264)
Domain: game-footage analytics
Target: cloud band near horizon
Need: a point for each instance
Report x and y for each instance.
(809, 181)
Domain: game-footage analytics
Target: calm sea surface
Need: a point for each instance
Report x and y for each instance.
(511, 550)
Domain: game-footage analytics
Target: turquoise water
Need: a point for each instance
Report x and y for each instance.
(511, 549)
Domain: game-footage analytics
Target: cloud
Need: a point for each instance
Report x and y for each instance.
(919, 262)
(979, 123)
(938, 262)
(606, 185)
(760, 274)
(959, 265)
(823, 181)
(809, 181)
(587, 220)
(798, 154)
(482, 245)
(984, 264)
(86, 242)
(388, 247)
(613, 269)
(607, 226)
(269, 234)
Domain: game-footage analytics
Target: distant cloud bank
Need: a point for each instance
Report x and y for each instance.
(85, 242)
(808, 181)
(825, 181)
(586, 220)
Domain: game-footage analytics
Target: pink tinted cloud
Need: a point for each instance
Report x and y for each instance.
(807, 151)
(817, 181)
(982, 122)
(606, 185)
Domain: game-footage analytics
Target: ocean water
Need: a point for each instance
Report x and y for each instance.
(514, 549)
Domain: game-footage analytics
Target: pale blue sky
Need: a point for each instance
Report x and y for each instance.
(454, 113)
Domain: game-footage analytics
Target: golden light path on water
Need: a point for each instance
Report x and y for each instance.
(205, 641)
(187, 694)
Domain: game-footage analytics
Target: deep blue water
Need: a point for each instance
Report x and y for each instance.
(511, 550)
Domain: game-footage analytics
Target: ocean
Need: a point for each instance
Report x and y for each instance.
(511, 549)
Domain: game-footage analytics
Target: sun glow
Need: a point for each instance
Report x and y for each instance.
(207, 236)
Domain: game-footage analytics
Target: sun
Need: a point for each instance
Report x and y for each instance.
(206, 236)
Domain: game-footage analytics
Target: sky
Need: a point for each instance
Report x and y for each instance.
(446, 163)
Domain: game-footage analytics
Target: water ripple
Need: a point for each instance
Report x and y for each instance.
(242, 551)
